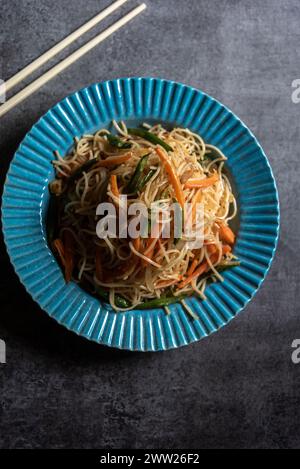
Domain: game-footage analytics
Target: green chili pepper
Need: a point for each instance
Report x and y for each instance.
(163, 301)
(146, 179)
(150, 137)
(229, 265)
(137, 175)
(117, 142)
(120, 301)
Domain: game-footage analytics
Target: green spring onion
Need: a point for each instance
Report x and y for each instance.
(146, 179)
(117, 142)
(137, 175)
(120, 301)
(152, 138)
(160, 302)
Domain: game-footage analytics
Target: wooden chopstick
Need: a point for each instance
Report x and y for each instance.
(39, 82)
(29, 69)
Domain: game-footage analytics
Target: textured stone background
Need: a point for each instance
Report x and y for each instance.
(237, 389)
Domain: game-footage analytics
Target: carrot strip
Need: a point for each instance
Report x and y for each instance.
(172, 176)
(204, 267)
(114, 160)
(226, 234)
(192, 267)
(202, 183)
(211, 248)
(137, 243)
(226, 249)
(195, 274)
(69, 259)
(58, 246)
(114, 185)
(196, 200)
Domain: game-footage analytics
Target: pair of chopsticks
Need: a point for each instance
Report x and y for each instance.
(42, 80)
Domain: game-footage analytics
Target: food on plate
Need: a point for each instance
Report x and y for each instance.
(157, 168)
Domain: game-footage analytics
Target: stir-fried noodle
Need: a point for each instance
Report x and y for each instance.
(150, 165)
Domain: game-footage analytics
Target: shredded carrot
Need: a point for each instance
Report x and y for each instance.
(137, 243)
(173, 178)
(98, 261)
(59, 248)
(114, 160)
(192, 267)
(69, 258)
(226, 234)
(114, 185)
(201, 269)
(202, 183)
(196, 200)
(204, 267)
(226, 249)
(211, 248)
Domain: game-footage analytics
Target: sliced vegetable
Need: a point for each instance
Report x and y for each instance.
(204, 267)
(201, 270)
(186, 176)
(146, 179)
(115, 141)
(137, 175)
(202, 183)
(150, 138)
(226, 234)
(56, 187)
(120, 301)
(226, 249)
(64, 250)
(228, 265)
(211, 248)
(58, 248)
(196, 200)
(193, 267)
(114, 185)
(173, 178)
(137, 244)
(162, 301)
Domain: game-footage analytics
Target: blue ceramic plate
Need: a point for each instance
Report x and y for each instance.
(25, 201)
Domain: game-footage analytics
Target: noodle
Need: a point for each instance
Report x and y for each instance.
(129, 272)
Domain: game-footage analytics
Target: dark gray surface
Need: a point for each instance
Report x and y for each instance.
(237, 388)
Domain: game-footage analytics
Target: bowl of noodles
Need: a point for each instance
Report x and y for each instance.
(141, 213)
